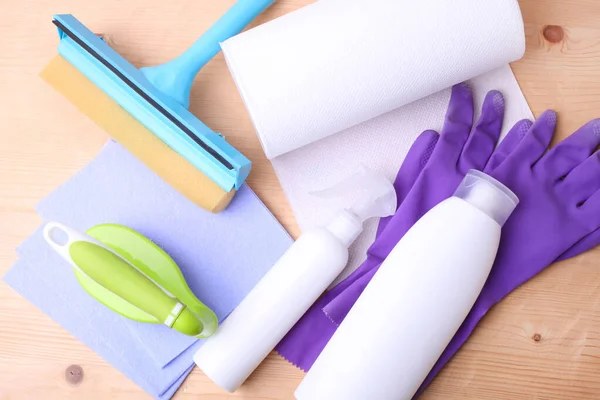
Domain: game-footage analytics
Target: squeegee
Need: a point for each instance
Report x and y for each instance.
(146, 110)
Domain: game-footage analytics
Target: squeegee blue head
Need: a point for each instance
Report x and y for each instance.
(158, 97)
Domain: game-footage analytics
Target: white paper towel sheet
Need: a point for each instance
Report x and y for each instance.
(337, 84)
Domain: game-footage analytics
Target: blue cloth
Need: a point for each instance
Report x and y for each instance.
(222, 257)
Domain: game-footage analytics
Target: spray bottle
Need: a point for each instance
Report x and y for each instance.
(293, 284)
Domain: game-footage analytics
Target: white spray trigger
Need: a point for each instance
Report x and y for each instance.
(373, 194)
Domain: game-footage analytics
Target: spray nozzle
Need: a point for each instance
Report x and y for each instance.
(372, 194)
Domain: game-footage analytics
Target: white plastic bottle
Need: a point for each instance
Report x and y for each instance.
(294, 283)
(417, 300)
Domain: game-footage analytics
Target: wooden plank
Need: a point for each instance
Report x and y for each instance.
(542, 342)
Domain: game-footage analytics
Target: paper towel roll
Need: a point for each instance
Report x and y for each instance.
(337, 63)
(326, 66)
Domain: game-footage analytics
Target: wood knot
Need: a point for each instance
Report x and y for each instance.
(554, 33)
(537, 337)
(74, 374)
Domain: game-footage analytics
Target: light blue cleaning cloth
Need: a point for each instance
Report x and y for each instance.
(75, 314)
(222, 257)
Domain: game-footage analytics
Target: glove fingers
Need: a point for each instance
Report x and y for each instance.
(413, 164)
(485, 135)
(536, 141)
(457, 124)
(572, 151)
(584, 180)
(508, 145)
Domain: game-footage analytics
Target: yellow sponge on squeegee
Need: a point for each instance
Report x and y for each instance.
(136, 138)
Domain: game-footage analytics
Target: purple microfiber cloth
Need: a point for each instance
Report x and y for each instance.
(222, 257)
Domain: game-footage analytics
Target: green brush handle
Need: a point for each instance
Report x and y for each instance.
(111, 271)
(108, 270)
(153, 262)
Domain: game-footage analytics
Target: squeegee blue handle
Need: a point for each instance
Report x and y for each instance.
(240, 15)
(175, 78)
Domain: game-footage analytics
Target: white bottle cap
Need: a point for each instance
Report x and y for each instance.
(488, 195)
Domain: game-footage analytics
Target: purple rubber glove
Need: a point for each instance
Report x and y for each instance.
(455, 153)
(558, 215)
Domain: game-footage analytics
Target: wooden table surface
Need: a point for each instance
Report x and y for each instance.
(542, 342)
